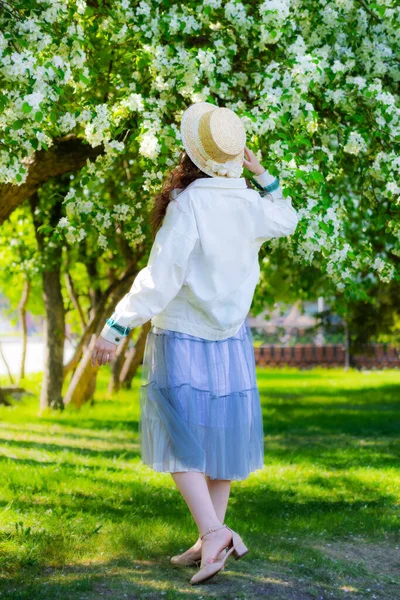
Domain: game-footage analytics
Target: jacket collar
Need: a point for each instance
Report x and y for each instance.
(224, 182)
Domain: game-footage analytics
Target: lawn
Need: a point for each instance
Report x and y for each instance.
(81, 518)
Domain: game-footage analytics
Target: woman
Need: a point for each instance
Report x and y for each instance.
(200, 407)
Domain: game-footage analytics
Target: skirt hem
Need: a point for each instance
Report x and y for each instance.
(204, 471)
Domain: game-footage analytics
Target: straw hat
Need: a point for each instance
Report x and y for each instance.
(214, 138)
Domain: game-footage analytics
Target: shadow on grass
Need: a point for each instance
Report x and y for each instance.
(93, 423)
(129, 578)
(78, 469)
(133, 579)
(334, 451)
(60, 448)
(356, 506)
(372, 411)
(364, 395)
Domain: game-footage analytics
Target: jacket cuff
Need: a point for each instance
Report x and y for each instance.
(110, 334)
(264, 179)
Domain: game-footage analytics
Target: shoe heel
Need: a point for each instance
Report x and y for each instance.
(240, 550)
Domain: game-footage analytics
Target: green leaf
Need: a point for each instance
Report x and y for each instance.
(83, 78)
(303, 142)
(289, 191)
(17, 124)
(45, 228)
(316, 176)
(142, 62)
(326, 227)
(3, 101)
(26, 108)
(38, 116)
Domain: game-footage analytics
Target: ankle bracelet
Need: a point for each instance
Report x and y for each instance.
(211, 529)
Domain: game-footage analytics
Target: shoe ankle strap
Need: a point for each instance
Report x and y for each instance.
(211, 529)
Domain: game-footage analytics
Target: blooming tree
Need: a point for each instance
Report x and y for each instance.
(316, 85)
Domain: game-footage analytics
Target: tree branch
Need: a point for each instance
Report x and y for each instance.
(67, 154)
(369, 11)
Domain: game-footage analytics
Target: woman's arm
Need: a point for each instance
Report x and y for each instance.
(280, 218)
(160, 281)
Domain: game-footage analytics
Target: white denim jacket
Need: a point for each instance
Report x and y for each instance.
(203, 266)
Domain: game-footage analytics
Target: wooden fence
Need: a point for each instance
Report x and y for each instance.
(376, 356)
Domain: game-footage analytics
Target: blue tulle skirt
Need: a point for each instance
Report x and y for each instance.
(200, 405)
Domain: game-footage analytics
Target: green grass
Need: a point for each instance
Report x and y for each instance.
(82, 518)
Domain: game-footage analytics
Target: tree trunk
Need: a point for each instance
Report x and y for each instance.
(78, 391)
(347, 355)
(117, 364)
(67, 154)
(134, 358)
(11, 378)
(51, 394)
(75, 299)
(83, 383)
(54, 329)
(112, 295)
(3, 398)
(22, 320)
(15, 392)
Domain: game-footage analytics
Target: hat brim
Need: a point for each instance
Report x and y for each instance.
(190, 139)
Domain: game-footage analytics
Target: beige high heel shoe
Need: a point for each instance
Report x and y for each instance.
(236, 547)
(192, 559)
(186, 560)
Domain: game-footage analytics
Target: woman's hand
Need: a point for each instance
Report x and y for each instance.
(251, 162)
(103, 352)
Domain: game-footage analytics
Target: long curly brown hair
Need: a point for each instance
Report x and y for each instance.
(179, 177)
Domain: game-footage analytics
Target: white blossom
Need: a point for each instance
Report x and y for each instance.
(355, 144)
(67, 122)
(34, 99)
(149, 146)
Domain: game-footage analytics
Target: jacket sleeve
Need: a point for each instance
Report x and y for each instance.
(279, 217)
(160, 281)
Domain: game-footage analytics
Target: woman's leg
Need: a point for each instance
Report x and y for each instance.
(219, 491)
(194, 489)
